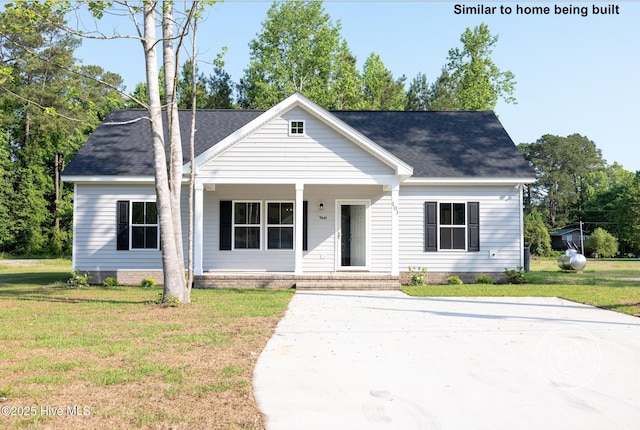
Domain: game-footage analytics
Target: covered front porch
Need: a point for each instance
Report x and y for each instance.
(297, 234)
(297, 191)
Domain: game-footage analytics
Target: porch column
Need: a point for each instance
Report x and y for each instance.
(197, 228)
(395, 230)
(299, 228)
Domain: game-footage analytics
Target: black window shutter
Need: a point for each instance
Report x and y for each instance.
(473, 214)
(226, 224)
(122, 221)
(305, 224)
(430, 226)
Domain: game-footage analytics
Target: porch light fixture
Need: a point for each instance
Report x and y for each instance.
(321, 206)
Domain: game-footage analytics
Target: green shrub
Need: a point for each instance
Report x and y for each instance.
(536, 235)
(484, 279)
(454, 280)
(602, 243)
(148, 283)
(110, 282)
(515, 276)
(418, 276)
(78, 279)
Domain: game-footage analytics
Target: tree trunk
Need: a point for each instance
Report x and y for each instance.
(173, 276)
(175, 142)
(192, 173)
(56, 180)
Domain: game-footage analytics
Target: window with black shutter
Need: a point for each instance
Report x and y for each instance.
(137, 225)
(451, 226)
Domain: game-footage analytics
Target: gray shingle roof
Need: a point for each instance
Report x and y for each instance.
(444, 144)
(125, 149)
(435, 144)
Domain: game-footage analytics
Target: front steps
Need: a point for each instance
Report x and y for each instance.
(310, 281)
(351, 281)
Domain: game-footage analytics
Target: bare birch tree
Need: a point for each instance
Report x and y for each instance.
(173, 270)
(168, 176)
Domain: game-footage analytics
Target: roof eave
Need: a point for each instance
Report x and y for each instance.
(468, 180)
(107, 179)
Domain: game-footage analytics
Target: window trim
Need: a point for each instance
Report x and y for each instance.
(440, 226)
(234, 225)
(303, 126)
(267, 225)
(132, 225)
(126, 243)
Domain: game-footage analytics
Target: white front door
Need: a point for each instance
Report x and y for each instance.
(352, 235)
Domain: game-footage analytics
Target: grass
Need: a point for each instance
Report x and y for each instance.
(126, 362)
(608, 284)
(123, 359)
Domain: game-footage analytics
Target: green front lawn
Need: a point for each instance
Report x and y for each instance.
(122, 359)
(608, 284)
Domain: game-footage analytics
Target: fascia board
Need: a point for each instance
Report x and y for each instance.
(467, 181)
(108, 179)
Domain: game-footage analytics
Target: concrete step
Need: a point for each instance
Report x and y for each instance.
(319, 281)
(349, 283)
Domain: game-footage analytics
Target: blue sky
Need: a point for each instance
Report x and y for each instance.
(574, 73)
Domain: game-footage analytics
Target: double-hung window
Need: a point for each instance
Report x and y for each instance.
(137, 225)
(280, 225)
(451, 226)
(246, 225)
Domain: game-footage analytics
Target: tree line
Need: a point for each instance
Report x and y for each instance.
(300, 49)
(49, 105)
(576, 186)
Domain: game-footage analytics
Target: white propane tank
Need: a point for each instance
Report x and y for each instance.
(578, 262)
(572, 260)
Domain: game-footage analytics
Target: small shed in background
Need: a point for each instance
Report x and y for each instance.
(568, 238)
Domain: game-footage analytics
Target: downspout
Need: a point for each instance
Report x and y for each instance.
(521, 211)
(74, 237)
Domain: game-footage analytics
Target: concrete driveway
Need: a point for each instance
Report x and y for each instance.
(384, 360)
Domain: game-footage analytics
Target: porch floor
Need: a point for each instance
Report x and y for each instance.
(307, 281)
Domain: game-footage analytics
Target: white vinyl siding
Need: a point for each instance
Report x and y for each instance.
(271, 154)
(499, 229)
(95, 229)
